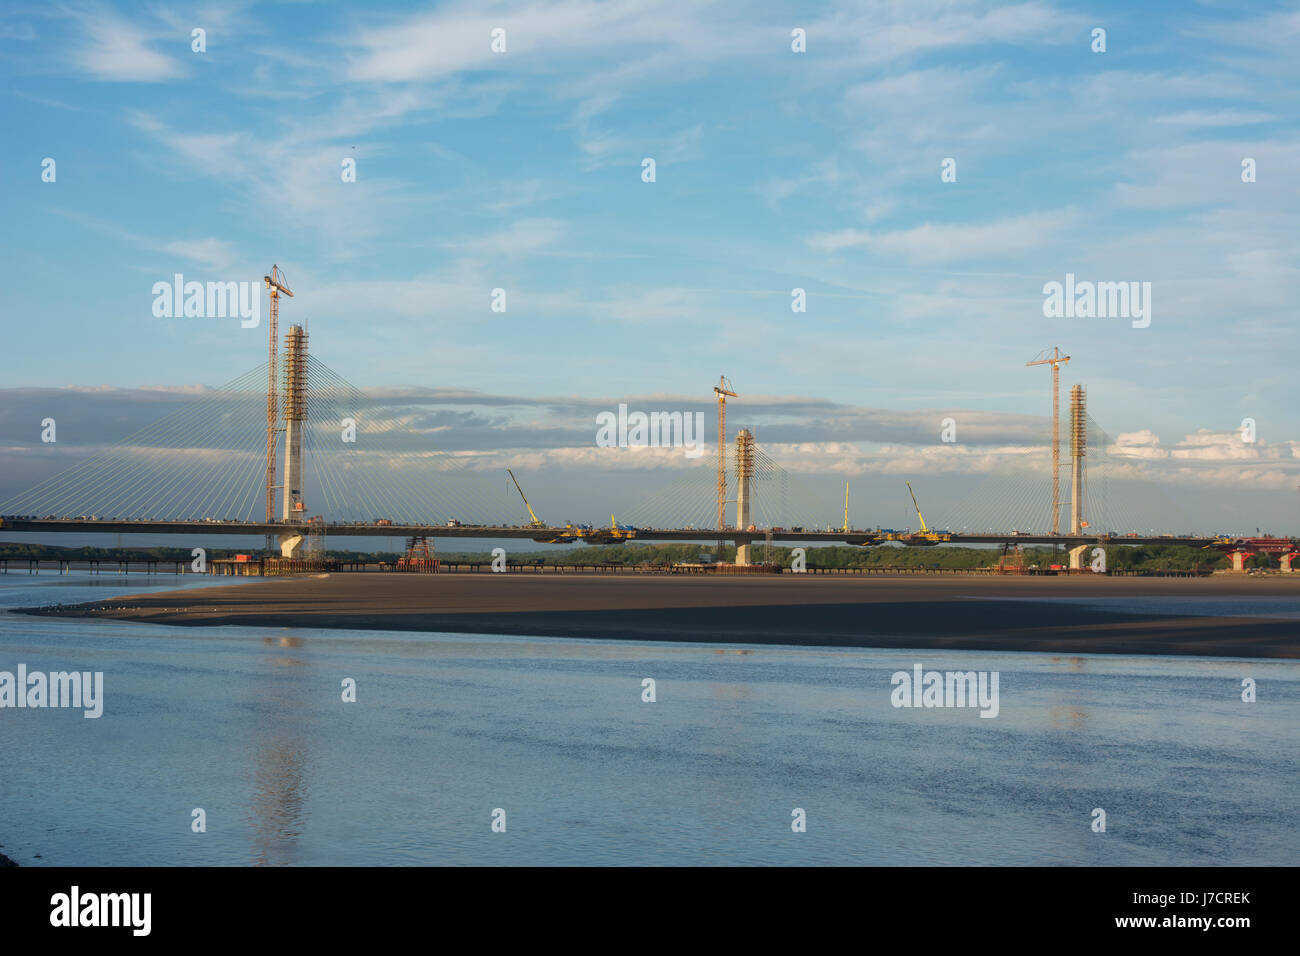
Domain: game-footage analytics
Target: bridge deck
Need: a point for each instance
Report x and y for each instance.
(571, 534)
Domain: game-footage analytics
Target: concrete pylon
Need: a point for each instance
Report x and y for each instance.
(295, 414)
(1078, 453)
(744, 473)
(1285, 561)
(1238, 559)
(1076, 557)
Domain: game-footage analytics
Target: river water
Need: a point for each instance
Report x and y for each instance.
(249, 725)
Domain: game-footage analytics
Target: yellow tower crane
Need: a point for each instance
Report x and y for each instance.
(275, 284)
(722, 390)
(1056, 360)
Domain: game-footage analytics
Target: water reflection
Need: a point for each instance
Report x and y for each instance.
(283, 641)
(1067, 717)
(280, 757)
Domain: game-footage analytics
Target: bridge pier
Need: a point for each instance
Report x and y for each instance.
(1238, 559)
(1285, 561)
(290, 542)
(1076, 557)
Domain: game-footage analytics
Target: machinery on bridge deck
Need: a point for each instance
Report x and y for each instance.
(536, 522)
(614, 533)
(926, 537)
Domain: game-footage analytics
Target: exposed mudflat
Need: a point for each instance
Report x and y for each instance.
(1051, 614)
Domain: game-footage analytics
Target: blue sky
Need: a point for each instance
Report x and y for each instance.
(775, 170)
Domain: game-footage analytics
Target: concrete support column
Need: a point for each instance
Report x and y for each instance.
(1238, 559)
(1078, 455)
(289, 543)
(295, 414)
(1286, 561)
(1076, 557)
(744, 471)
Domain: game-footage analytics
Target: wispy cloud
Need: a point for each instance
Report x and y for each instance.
(116, 50)
(951, 243)
(216, 254)
(523, 236)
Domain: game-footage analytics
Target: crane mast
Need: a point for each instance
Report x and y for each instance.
(536, 522)
(275, 284)
(722, 390)
(924, 529)
(1056, 360)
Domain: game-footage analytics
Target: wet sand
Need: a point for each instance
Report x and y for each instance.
(922, 611)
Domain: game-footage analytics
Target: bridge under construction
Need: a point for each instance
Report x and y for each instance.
(110, 493)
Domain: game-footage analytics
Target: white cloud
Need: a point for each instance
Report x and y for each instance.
(883, 33)
(1205, 446)
(946, 243)
(521, 238)
(840, 239)
(1206, 118)
(118, 51)
(216, 254)
(1201, 173)
(457, 38)
(1144, 443)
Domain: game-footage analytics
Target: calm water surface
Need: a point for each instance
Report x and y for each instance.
(248, 723)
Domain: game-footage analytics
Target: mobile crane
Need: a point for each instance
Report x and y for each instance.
(925, 536)
(536, 522)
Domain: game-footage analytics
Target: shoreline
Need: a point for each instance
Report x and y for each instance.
(1011, 613)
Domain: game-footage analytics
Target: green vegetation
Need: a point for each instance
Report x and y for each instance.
(1174, 557)
(1171, 557)
(47, 552)
(1118, 557)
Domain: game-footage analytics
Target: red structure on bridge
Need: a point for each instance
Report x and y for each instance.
(1242, 548)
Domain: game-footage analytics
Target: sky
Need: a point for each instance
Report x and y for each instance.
(774, 170)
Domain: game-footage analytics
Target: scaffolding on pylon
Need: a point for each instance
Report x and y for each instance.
(315, 546)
